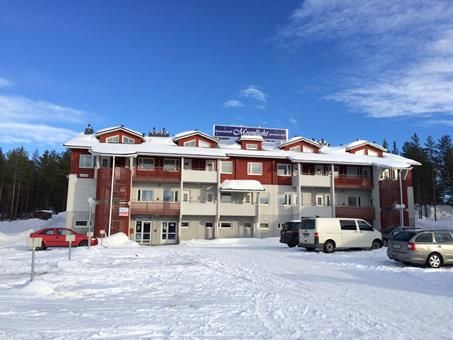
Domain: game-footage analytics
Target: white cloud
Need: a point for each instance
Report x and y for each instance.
(4, 82)
(23, 120)
(293, 121)
(233, 103)
(253, 92)
(261, 107)
(399, 54)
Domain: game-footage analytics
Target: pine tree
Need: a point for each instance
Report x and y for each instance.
(395, 150)
(385, 144)
(444, 158)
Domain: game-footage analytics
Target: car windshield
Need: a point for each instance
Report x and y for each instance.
(404, 236)
(291, 226)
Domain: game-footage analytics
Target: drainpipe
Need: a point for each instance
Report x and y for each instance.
(332, 189)
(111, 196)
(299, 193)
(217, 215)
(258, 213)
(181, 196)
(401, 198)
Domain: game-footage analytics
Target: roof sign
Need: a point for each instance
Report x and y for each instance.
(234, 132)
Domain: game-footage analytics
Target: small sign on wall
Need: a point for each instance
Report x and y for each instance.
(123, 211)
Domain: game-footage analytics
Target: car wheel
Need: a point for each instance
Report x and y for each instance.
(376, 244)
(329, 247)
(83, 243)
(434, 260)
(292, 245)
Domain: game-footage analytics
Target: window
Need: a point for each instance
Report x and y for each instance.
(184, 224)
(225, 197)
(250, 146)
(146, 163)
(192, 142)
(254, 168)
(348, 225)
(186, 196)
(227, 167)
(327, 200)
(443, 237)
(264, 198)
(105, 162)
(352, 171)
(203, 144)
(226, 225)
(170, 165)
(283, 169)
(424, 238)
(308, 149)
(48, 232)
(209, 197)
(127, 140)
(364, 226)
(247, 225)
(307, 224)
(209, 225)
(210, 165)
(295, 148)
(64, 232)
(248, 198)
(81, 223)
(285, 199)
(145, 195)
(170, 196)
(319, 200)
(354, 201)
(113, 139)
(86, 161)
(372, 153)
(264, 225)
(187, 164)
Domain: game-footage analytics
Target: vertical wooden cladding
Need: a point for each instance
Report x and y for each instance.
(389, 192)
(75, 164)
(197, 138)
(366, 150)
(269, 170)
(103, 137)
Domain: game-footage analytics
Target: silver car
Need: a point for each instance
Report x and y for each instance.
(433, 248)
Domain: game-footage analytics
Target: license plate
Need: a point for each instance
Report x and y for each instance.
(397, 246)
(306, 234)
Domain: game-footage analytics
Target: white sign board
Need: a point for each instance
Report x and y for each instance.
(70, 238)
(123, 211)
(34, 242)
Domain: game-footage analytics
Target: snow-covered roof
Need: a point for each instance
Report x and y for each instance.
(241, 185)
(250, 138)
(165, 146)
(301, 139)
(361, 142)
(189, 133)
(119, 127)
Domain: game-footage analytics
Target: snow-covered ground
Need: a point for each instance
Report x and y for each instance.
(235, 288)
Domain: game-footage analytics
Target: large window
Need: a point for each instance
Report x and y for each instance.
(285, 199)
(203, 144)
(192, 142)
(348, 225)
(354, 201)
(254, 168)
(264, 198)
(225, 197)
(283, 169)
(295, 148)
(227, 167)
(145, 195)
(170, 165)
(170, 196)
(146, 163)
(113, 139)
(127, 140)
(86, 161)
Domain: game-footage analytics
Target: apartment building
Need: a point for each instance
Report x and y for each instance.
(161, 189)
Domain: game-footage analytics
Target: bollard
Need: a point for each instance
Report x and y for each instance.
(70, 238)
(33, 242)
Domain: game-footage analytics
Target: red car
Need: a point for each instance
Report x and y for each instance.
(56, 237)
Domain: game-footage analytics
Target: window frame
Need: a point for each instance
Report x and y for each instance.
(127, 140)
(250, 168)
(191, 143)
(287, 172)
(140, 195)
(229, 227)
(222, 170)
(167, 168)
(140, 163)
(84, 157)
(251, 146)
(113, 139)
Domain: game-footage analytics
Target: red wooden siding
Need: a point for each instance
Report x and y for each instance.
(75, 168)
(120, 133)
(211, 143)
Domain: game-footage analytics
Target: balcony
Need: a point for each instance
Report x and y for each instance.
(320, 181)
(365, 213)
(237, 209)
(353, 182)
(157, 174)
(155, 208)
(200, 176)
(198, 208)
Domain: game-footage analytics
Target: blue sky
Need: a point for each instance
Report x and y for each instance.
(338, 69)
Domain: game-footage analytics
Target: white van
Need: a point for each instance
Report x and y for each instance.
(329, 234)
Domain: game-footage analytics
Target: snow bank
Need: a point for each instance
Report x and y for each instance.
(431, 224)
(37, 288)
(17, 226)
(118, 240)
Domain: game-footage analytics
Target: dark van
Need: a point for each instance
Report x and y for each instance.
(289, 234)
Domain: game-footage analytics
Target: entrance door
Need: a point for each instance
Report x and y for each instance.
(143, 231)
(168, 232)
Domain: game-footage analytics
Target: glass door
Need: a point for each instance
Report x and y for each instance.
(143, 231)
(169, 232)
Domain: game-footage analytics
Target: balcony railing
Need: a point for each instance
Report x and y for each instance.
(365, 213)
(200, 176)
(155, 208)
(156, 174)
(353, 182)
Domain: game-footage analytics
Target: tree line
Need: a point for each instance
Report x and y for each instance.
(32, 182)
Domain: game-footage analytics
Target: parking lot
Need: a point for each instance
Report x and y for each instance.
(233, 288)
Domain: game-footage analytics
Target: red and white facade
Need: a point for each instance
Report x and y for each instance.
(193, 186)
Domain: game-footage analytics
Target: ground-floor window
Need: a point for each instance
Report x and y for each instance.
(226, 225)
